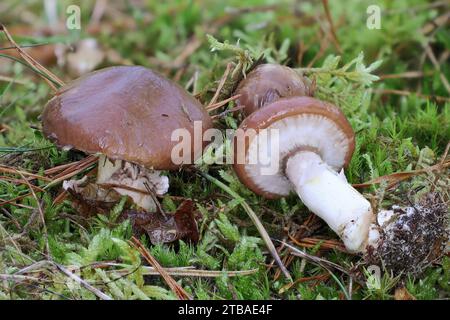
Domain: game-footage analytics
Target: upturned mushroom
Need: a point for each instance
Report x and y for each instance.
(315, 142)
(126, 114)
(270, 82)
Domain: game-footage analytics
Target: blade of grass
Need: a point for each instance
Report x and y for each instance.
(262, 231)
(30, 60)
(219, 88)
(41, 214)
(21, 150)
(30, 67)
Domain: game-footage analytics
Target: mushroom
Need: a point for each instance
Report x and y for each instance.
(315, 142)
(127, 115)
(269, 82)
(86, 57)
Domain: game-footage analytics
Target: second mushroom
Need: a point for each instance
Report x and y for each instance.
(315, 143)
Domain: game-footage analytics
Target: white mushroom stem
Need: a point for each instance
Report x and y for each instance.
(132, 177)
(332, 198)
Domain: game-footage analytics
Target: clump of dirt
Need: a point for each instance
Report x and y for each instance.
(413, 238)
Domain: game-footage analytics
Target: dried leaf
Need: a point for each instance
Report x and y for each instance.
(165, 228)
(402, 294)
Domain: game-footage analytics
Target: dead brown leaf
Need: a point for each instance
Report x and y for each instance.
(165, 228)
(91, 199)
(401, 293)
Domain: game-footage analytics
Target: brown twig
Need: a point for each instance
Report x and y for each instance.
(436, 23)
(223, 114)
(30, 60)
(408, 93)
(60, 197)
(317, 278)
(185, 271)
(323, 244)
(41, 213)
(220, 86)
(62, 167)
(394, 178)
(73, 170)
(13, 201)
(12, 80)
(18, 278)
(221, 103)
(404, 75)
(332, 29)
(7, 169)
(4, 127)
(436, 65)
(314, 259)
(174, 286)
(324, 44)
(97, 13)
(19, 181)
(442, 163)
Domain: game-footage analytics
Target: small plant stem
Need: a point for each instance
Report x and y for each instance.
(50, 77)
(337, 73)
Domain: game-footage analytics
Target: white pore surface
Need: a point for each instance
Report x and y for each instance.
(334, 200)
(306, 130)
(130, 175)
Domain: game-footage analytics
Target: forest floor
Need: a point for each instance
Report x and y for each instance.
(398, 107)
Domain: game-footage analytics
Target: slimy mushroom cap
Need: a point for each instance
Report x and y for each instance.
(126, 113)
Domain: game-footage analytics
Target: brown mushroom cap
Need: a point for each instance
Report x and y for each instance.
(124, 112)
(267, 83)
(304, 123)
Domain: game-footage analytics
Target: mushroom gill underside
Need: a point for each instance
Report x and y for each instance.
(301, 132)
